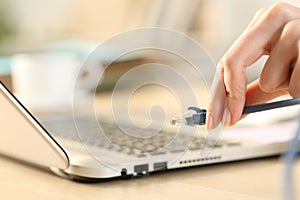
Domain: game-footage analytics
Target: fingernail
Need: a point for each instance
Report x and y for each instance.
(226, 119)
(209, 122)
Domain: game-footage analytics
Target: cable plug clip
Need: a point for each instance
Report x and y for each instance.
(191, 118)
(196, 119)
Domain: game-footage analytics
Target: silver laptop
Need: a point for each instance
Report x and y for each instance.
(55, 144)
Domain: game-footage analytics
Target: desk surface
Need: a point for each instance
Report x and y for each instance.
(253, 179)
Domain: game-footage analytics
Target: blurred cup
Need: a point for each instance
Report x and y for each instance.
(45, 81)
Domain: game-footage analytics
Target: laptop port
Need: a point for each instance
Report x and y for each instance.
(124, 172)
(160, 166)
(141, 169)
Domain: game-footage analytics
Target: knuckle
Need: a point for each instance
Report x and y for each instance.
(236, 96)
(291, 30)
(234, 83)
(278, 11)
(227, 63)
(280, 8)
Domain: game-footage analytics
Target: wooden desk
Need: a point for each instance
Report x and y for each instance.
(254, 179)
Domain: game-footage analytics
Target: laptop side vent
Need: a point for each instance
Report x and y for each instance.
(199, 160)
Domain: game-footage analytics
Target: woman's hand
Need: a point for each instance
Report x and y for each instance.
(274, 32)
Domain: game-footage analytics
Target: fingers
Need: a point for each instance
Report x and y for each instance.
(218, 109)
(257, 40)
(294, 86)
(235, 81)
(277, 70)
(255, 95)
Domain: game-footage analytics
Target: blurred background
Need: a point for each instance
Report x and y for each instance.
(77, 26)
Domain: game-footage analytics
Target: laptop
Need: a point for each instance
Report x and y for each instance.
(54, 143)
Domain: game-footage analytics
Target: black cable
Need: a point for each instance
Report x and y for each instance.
(199, 117)
(272, 105)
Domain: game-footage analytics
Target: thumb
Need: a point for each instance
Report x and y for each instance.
(235, 81)
(227, 96)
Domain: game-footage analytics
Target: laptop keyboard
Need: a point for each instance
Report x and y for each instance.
(115, 140)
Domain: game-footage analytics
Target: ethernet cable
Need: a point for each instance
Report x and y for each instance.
(197, 116)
